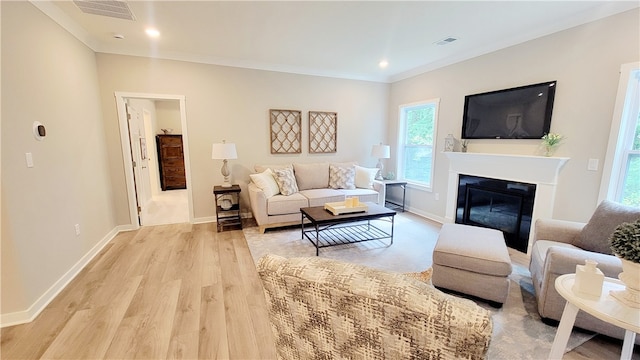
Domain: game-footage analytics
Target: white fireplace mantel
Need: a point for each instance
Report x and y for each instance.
(539, 170)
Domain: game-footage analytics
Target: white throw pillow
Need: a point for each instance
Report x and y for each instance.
(365, 177)
(286, 181)
(342, 177)
(266, 183)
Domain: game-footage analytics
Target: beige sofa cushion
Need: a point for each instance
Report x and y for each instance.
(319, 197)
(608, 215)
(282, 205)
(312, 176)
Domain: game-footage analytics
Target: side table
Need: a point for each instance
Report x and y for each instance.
(227, 200)
(392, 204)
(605, 308)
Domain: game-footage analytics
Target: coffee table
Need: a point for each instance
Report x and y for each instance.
(605, 308)
(331, 230)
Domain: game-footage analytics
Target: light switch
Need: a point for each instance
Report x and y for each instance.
(593, 165)
(29, 158)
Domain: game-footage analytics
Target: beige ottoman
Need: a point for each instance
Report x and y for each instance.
(472, 260)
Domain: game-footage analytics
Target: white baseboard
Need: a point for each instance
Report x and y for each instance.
(25, 316)
(204, 220)
(430, 216)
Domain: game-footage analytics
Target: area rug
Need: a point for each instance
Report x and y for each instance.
(518, 332)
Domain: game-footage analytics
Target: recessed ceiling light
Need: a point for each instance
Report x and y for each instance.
(152, 32)
(383, 64)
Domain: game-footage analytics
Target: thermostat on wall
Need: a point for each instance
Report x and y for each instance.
(39, 131)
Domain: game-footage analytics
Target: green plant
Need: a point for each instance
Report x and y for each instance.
(552, 139)
(625, 241)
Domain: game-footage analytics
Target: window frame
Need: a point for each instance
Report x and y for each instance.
(621, 135)
(401, 142)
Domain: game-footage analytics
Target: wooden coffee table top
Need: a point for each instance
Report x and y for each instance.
(318, 214)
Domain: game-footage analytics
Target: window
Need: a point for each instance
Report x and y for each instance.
(417, 141)
(623, 184)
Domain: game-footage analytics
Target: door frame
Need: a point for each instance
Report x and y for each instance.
(126, 148)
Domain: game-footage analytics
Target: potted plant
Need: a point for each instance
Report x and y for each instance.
(550, 142)
(625, 244)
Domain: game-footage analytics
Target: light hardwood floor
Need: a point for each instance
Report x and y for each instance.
(171, 292)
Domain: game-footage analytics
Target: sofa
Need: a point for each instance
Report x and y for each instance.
(558, 246)
(327, 309)
(277, 192)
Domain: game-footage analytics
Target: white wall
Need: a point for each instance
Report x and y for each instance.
(585, 60)
(48, 76)
(168, 113)
(233, 104)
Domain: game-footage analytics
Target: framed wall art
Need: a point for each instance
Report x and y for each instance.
(286, 131)
(323, 132)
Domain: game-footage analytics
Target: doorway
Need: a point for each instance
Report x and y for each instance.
(141, 119)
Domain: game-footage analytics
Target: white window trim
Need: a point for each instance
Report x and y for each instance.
(400, 142)
(615, 150)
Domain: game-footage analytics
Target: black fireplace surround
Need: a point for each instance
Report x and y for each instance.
(498, 204)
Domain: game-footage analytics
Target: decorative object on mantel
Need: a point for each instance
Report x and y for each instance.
(449, 143)
(224, 152)
(550, 143)
(463, 145)
(323, 132)
(167, 131)
(286, 131)
(380, 152)
(625, 244)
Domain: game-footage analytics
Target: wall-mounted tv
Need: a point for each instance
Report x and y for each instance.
(518, 113)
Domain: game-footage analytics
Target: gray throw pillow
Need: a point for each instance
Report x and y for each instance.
(608, 215)
(286, 181)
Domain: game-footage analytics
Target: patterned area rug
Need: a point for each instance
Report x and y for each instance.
(518, 332)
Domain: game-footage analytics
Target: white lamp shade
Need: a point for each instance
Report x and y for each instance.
(381, 151)
(224, 151)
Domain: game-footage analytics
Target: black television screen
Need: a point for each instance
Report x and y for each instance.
(518, 113)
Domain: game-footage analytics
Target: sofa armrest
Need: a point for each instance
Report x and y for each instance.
(563, 260)
(258, 201)
(557, 230)
(381, 189)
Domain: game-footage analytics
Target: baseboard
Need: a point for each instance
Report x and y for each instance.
(427, 215)
(25, 316)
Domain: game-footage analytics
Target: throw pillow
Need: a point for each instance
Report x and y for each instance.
(365, 177)
(311, 176)
(342, 177)
(266, 183)
(286, 181)
(608, 215)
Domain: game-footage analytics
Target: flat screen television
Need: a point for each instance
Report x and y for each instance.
(518, 113)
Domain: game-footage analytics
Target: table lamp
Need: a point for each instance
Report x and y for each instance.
(380, 152)
(224, 152)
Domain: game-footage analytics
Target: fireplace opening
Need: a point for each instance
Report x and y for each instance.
(498, 204)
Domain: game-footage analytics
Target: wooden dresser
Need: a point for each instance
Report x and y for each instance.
(171, 162)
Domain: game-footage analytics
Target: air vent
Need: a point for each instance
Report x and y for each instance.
(110, 8)
(445, 41)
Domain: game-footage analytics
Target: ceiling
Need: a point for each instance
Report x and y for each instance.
(345, 39)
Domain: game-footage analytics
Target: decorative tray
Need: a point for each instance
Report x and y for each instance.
(338, 208)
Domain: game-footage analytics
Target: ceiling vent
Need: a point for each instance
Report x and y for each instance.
(110, 8)
(445, 41)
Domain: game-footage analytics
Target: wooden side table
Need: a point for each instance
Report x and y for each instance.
(605, 308)
(227, 200)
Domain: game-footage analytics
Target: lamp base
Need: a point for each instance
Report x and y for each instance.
(380, 167)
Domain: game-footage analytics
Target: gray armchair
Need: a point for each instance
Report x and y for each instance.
(558, 246)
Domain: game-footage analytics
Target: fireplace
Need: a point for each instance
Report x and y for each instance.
(539, 170)
(498, 204)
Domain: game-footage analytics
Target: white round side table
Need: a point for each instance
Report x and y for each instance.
(605, 308)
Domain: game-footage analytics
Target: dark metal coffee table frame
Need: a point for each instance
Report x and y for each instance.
(330, 230)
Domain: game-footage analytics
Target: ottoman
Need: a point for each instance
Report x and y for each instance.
(472, 260)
